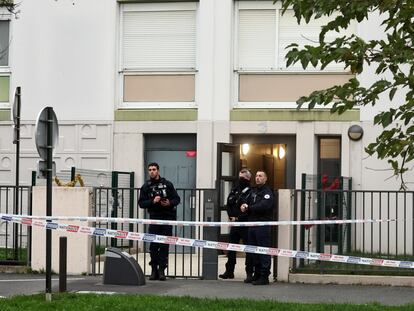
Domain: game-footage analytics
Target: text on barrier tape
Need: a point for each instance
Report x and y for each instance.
(147, 237)
(199, 223)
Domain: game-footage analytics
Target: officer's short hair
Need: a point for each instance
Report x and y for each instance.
(247, 172)
(262, 172)
(154, 164)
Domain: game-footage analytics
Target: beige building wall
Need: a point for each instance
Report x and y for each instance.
(159, 88)
(284, 87)
(65, 202)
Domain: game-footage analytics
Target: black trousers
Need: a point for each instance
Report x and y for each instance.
(237, 234)
(260, 236)
(158, 251)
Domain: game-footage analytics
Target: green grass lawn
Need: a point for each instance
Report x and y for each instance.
(80, 302)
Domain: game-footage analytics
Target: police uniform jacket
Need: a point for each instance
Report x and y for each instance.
(261, 204)
(238, 195)
(156, 210)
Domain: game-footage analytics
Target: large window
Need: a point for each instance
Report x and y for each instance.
(158, 54)
(261, 75)
(264, 33)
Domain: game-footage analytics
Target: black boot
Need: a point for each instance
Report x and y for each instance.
(261, 281)
(154, 273)
(249, 278)
(161, 274)
(227, 275)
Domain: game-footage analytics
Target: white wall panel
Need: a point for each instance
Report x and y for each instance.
(68, 141)
(92, 150)
(63, 55)
(97, 162)
(94, 138)
(6, 139)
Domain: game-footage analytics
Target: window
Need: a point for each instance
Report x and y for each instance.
(4, 42)
(264, 33)
(263, 81)
(4, 63)
(158, 54)
(329, 173)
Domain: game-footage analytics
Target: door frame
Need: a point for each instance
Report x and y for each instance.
(233, 149)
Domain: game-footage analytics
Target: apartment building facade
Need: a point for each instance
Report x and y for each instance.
(139, 81)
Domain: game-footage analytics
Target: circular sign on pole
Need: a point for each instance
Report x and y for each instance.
(41, 132)
(16, 106)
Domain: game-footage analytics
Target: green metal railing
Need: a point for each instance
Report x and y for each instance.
(392, 240)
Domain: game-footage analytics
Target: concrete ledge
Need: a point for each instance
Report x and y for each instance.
(292, 115)
(155, 115)
(352, 279)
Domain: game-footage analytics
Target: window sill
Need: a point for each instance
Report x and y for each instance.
(292, 115)
(171, 114)
(275, 105)
(293, 72)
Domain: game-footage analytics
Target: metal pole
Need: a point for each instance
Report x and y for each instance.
(49, 166)
(63, 247)
(16, 192)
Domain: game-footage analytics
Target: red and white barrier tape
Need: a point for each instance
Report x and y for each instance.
(147, 237)
(200, 223)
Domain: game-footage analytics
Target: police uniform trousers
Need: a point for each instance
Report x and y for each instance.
(159, 251)
(260, 236)
(237, 234)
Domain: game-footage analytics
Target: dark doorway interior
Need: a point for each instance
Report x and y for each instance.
(176, 155)
(329, 170)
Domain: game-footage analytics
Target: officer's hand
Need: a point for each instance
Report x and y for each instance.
(165, 202)
(244, 207)
(157, 199)
(232, 218)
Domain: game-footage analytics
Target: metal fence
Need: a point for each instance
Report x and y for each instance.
(183, 261)
(388, 240)
(14, 238)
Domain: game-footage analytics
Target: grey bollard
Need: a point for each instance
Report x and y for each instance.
(210, 256)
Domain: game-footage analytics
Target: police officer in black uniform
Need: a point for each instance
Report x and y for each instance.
(260, 208)
(160, 198)
(238, 195)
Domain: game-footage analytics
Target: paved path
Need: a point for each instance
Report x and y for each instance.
(17, 284)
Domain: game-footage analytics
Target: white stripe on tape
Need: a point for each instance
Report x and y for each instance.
(147, 237)
(196, 223)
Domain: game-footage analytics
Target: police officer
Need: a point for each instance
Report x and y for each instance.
(160, 198)
(260, 208)
(238, 195)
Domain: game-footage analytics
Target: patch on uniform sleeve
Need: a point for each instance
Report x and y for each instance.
(267, 196)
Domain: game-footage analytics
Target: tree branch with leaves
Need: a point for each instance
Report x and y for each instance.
(10, 5)
(392, 58)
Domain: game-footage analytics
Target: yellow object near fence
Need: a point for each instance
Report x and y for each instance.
(72, 183)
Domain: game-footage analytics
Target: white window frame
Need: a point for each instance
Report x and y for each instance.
(5, 71)
(266, 5)
(153, 7)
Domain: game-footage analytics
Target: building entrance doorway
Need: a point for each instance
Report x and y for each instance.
(274, 154)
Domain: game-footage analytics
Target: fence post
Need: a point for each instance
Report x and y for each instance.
(63, 243)
(210, 256)
(286, 207)
(114, 212)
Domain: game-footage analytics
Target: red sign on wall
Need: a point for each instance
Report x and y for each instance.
(191, 154)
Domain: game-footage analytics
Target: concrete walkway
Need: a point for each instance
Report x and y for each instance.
(21, 284)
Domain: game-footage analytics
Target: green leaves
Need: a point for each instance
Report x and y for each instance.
(391, 56)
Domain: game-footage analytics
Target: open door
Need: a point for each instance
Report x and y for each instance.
(228, 167)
